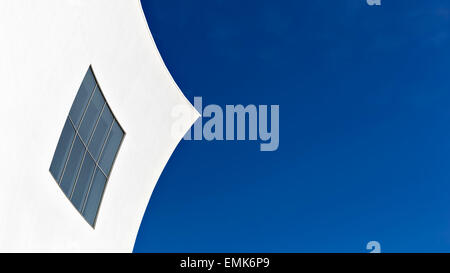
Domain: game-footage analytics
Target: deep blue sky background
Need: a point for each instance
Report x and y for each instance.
(364, 95)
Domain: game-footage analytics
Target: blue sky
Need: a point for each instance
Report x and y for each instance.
(364, 95)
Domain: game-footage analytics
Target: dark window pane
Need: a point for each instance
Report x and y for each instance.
(73, 165)
(101, 132)
(84, 179)
(111, 148)
(92, 114)
(95, 196)
(82, 98)
(82, 172)
(62, 150)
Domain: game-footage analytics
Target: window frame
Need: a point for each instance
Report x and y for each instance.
(76, 134)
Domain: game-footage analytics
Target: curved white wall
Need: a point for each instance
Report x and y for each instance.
(46, 47)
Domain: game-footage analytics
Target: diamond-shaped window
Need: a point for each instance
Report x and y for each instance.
(87, 148)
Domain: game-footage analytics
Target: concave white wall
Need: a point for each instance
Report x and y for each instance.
(46, 47)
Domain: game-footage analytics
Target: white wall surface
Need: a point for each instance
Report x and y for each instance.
(46, 47)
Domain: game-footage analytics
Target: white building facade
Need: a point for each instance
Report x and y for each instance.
(46, 49)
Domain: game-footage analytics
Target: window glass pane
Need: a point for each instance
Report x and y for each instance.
(84, 179)
(95, 196)
(82, 172)
(82, 98)
(73, 165)
(91, 116)
(101, 132)
(111, 148)
(62, 150)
